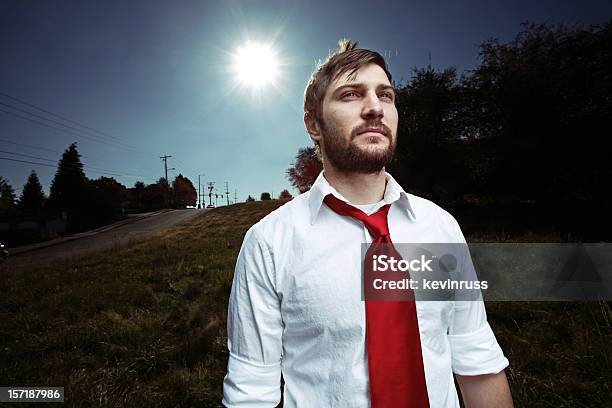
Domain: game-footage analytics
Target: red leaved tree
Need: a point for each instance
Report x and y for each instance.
(285, 195)
(303, 173)
(183, 191)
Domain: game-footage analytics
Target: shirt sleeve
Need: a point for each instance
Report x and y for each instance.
(474, 348)
(254, 329)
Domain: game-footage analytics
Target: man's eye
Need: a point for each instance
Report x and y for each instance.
(349, 94)
(387, 95)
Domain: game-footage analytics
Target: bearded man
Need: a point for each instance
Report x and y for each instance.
(296, 306)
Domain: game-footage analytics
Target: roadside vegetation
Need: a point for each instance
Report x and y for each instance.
(145, 325)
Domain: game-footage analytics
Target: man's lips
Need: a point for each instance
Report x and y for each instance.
(373, 132)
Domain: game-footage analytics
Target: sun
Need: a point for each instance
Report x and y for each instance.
(256, 65)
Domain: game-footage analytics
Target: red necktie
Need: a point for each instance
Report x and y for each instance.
(395, 359)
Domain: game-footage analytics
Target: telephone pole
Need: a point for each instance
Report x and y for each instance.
(165, 159)
(227, 192)
(211, 186)
(200, 192)
(235, 196)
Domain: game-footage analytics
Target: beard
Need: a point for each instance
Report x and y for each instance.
(347, 156)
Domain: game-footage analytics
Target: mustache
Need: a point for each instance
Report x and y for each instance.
(379, 126)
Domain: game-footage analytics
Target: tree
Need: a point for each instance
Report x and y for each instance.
(250, 199)
(183, 192)
(136, 194)
(540, 105)
(285, 195)
(153, 196)
(7, 196)
(70, 191)
(32, 199)
(265, 196)
(425, 160)
(303, 173)
(164, 185)
(109, 197)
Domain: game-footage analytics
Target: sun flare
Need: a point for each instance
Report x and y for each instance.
(256, 65)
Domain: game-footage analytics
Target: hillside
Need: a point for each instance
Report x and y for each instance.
(145, 325)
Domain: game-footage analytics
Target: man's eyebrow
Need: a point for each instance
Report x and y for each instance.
(387, 88)
(362, 85)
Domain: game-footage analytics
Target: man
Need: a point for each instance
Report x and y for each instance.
(296, 305)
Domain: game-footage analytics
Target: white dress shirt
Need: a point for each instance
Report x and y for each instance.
(295, 307)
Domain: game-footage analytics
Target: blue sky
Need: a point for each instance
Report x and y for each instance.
(156, 76)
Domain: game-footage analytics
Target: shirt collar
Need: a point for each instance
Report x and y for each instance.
(320, 188)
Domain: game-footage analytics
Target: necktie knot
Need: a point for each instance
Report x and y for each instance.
(375, 223)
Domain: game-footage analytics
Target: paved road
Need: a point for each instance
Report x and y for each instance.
(102, 238)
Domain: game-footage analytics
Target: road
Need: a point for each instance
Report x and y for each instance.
(102, 238)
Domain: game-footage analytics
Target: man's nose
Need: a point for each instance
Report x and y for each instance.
(372, 108)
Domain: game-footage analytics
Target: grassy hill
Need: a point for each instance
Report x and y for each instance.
(145, 325)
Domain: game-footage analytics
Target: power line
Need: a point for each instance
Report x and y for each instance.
(188, 170)
(26, 155)
(25, 161)
(51, 165)
(55, 127)
(58, 116)
(105, 173)
(58, 152)
(111, 172)
(92, 134)
(31, 146)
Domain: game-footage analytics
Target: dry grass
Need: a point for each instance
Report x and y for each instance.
(144, 325)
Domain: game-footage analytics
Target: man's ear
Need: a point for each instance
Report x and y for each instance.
(312, 127)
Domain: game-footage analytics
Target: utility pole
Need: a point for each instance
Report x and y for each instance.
(211, 186)
(227, 192)
(165, 159)
(235, 196)
(200, 192)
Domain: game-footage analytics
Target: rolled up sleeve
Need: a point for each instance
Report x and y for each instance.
(254, 328)
(476, 351)
(474, 348)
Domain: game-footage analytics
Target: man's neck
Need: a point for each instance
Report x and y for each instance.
(358, 188)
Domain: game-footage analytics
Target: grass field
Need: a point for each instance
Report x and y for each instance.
(145, 325)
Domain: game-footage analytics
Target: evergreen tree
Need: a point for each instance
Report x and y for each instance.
(32, 199)
(70, 191)
(7, 195)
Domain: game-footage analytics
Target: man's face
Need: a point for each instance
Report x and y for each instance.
(359, 121)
